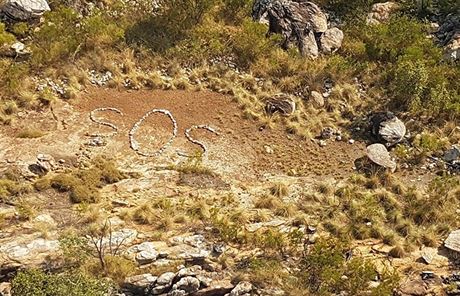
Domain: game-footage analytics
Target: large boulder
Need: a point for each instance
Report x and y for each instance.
(379, 155)
(453, 241)
(24, 10)
(381, 12)
(140, 284)
(300, 22)
(331, 40)
(387, 128)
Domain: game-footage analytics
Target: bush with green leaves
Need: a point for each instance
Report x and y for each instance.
(168, 26)
(407, 66)
(427, 8)
(38, 283)
(5, 37)
(234, 11)
(349, 10)
(250, 44)
(65, 35)
(83, 185)
(324, 270)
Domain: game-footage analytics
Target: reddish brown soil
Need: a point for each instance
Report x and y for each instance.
(291, 153)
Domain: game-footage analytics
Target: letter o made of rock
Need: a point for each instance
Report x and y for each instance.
(93, 118)
(132, 133)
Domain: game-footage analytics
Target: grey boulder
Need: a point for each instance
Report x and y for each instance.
(379, 155)
(24, 10)
(388, 128)
(331, 40)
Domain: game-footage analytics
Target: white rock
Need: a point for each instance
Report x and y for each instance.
(379, 155)
(453, 241)
(188, 284)
(331, 40)
(45, 218)
(166, 279)
(140, 282)
(381, 12)
(241, 289)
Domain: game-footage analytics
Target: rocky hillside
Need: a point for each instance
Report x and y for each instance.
(229, 147)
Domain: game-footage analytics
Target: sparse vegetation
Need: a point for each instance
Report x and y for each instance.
(323, 270)
(10, 189)
(195, 45)
(83, 185)
(30, 133)
(36, 283)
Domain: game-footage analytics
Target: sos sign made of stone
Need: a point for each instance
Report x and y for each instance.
(135, 145)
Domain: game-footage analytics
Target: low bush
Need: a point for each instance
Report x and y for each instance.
(5, 37)
(322, 272)
(38, 283)
(9, 189)
(30, 133)
(83, 185)
(409, 66)
(64, 36)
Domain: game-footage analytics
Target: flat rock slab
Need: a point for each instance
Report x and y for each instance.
(28, 251)
(453, 241)
(379, 155)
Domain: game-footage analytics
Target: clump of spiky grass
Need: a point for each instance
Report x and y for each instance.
(397, 252)
(279, 190)
(30, 133)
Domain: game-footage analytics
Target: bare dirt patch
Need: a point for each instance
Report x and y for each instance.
(240, 148)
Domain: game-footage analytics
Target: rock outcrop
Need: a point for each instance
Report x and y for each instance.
(448, 36)
(23, 10)
(187, 281)
(387, 128)
(300, 22)
(381, 12)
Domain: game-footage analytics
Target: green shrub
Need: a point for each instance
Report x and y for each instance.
(64, 35)
(13, 75)
(424, 8)
(38, 283)
(82, 193)
(64, 182)
(234, 11)
(207, 40)
(250, 43)
(20, 29)
(75, 249)
(408, 65)
(83, 185)
(170, 25)
(348, 9)
(322, 272)
(5, 37)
